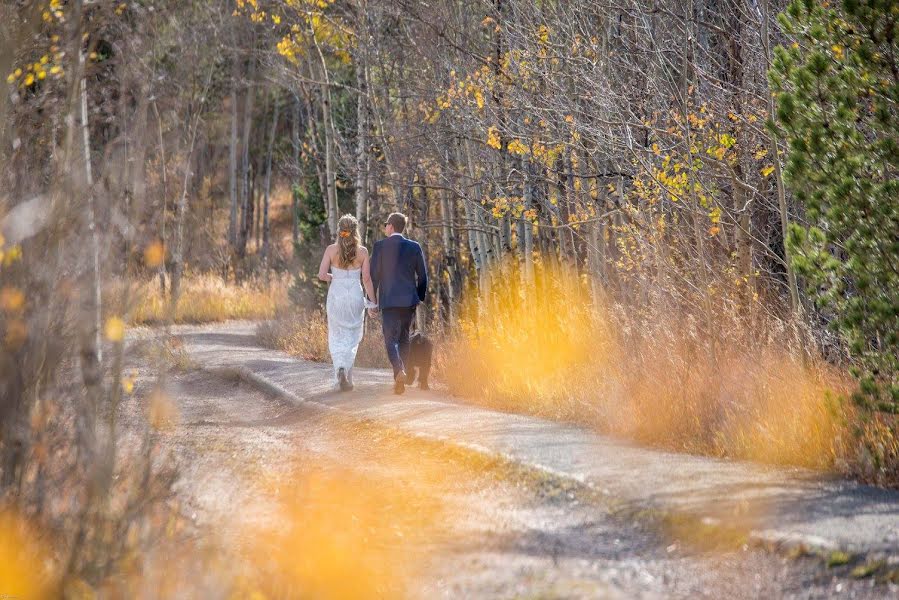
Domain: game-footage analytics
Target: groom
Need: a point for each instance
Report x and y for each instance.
(400, 279)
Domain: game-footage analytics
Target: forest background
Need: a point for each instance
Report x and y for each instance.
(670, 220)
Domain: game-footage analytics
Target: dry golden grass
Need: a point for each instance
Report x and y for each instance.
(304, 333)
(205, 298)
(549, 349)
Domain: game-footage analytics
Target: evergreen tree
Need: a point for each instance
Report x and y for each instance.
(837, 89)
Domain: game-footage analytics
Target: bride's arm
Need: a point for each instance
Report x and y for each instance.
(325, 265)
(366, 278)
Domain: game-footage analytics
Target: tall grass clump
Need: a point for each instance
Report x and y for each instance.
(733, 383)
(205, 298)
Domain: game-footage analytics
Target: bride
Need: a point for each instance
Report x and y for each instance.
(347, 260)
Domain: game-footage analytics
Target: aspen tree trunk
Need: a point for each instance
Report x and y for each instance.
(232, 159)
(180, 211)
(165, 199)
(91, 352)
(94, 297)
(330, 144)
(527, 237)
(316, 137)
(473, 211)
(266, 233)
(245, 195)
(294, 193)
(362, 162)
(774, 152)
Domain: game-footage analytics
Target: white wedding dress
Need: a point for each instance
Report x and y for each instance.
(346, 312)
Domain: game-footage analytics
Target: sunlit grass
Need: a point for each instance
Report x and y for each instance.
(551, 348)
(204, 298)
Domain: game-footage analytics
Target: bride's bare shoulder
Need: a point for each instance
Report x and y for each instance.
(362, 251)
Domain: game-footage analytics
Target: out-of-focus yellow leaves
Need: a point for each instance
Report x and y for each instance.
(11, 299)
(23, 560)
(11, 255)
(767, 171)
(518, 147)
(162, 412)
(154, 254)
(127, 385)
(29, 79)
(493, 139)
(114, 329)
(16, 333)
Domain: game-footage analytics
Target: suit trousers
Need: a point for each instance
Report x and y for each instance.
(396, 323)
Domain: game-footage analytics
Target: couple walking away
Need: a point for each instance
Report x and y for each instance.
(395, 280)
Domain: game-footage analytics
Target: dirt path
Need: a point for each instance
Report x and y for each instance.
(287, 498)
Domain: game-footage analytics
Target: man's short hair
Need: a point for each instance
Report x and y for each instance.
(398, 220)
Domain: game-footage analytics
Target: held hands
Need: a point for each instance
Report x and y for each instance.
(372, 308)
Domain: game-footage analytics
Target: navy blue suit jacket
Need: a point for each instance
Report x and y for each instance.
(398, 272)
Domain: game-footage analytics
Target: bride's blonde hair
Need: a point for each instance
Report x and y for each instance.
(348, 240)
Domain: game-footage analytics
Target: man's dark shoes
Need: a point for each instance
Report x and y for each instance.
(399, 383)
(345, 385)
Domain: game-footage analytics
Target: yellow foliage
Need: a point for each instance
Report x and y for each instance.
(516, 146)
(11, 299)
(114, 329)
(493, 139)
(154, 254)
(23, 560)
(553, 348)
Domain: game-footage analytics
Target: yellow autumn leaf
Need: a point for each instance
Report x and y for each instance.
(767, 170)
(114, 329)
(154, 254)
(11, 255)
(493, 139)
(11, 299)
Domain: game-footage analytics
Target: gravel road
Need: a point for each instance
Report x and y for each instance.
(291, 502)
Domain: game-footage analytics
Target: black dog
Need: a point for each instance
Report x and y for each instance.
(419, 362)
